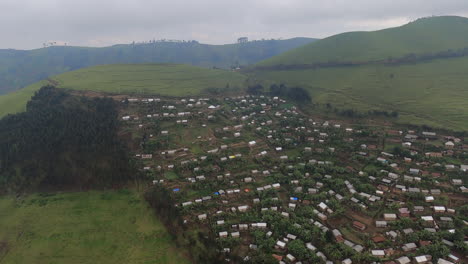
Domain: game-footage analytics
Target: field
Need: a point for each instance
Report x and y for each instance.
(16, 101)
(160, 79)
(432, 93)
(83, 227)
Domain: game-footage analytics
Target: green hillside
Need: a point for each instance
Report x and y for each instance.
(108, 227)
(432, 93)
(20, 68)
(162, 79)
(427, 88)
(426, 35)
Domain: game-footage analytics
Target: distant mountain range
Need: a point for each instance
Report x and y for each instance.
(19, 68)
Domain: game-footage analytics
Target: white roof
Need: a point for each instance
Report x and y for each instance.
(280, 244)
(378, 252)
(427, 218)
(421, 259)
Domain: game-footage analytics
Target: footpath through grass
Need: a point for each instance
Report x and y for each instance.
(84, 227)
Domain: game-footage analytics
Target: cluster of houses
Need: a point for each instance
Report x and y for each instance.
(249, 164)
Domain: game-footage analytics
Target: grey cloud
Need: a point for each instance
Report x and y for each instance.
(28, 23)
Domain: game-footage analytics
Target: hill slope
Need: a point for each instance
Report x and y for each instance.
(84, 227)
(432, 93)
(429, 88)
(426, 35)
(163, 79)
(21, 68)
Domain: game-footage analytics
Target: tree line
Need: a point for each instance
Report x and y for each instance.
(296, 93)
(405, 59)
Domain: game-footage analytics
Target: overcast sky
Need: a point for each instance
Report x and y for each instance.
(27, 24)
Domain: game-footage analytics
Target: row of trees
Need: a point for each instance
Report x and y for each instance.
(296, 93)
(404, 59)
(356, 114)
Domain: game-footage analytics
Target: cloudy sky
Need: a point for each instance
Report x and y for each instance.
(27, 24)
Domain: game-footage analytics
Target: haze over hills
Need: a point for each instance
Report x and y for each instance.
(419, 70)
(19, 68)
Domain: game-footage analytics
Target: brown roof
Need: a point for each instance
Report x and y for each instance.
(359, 225)
(378, 239)
(277, 257)
(423, 243)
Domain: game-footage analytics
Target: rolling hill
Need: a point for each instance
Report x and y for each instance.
(19, 68)
(162, 79)
(429, 88)
(425, 35)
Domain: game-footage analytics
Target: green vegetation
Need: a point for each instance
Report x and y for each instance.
(20, 68)
(161, 79)
(84, 227)
(15, 102)
(426, 35)
(416, 72)
(62, 141)
(433, 93)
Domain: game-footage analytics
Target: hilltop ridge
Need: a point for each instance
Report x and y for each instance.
(425, 35)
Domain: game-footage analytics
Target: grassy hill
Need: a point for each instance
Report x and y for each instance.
(20, 68)
(426, 35)
(162, 79)
(431, 91)
(108, 227)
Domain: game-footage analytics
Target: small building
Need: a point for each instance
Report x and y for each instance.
(378, 253)
(381, 224)
(358, 225)
(202, 217)
(403, 260)
(279, 244)
(423, 259)
(409, 247)
(390, 217)
(404, 212)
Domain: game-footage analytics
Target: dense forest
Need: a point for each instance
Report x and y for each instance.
(62, 141)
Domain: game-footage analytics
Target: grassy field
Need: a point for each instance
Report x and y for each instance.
(83, 227)
(16, 101)
(433, 93)
(426, 35)
(158, 79)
